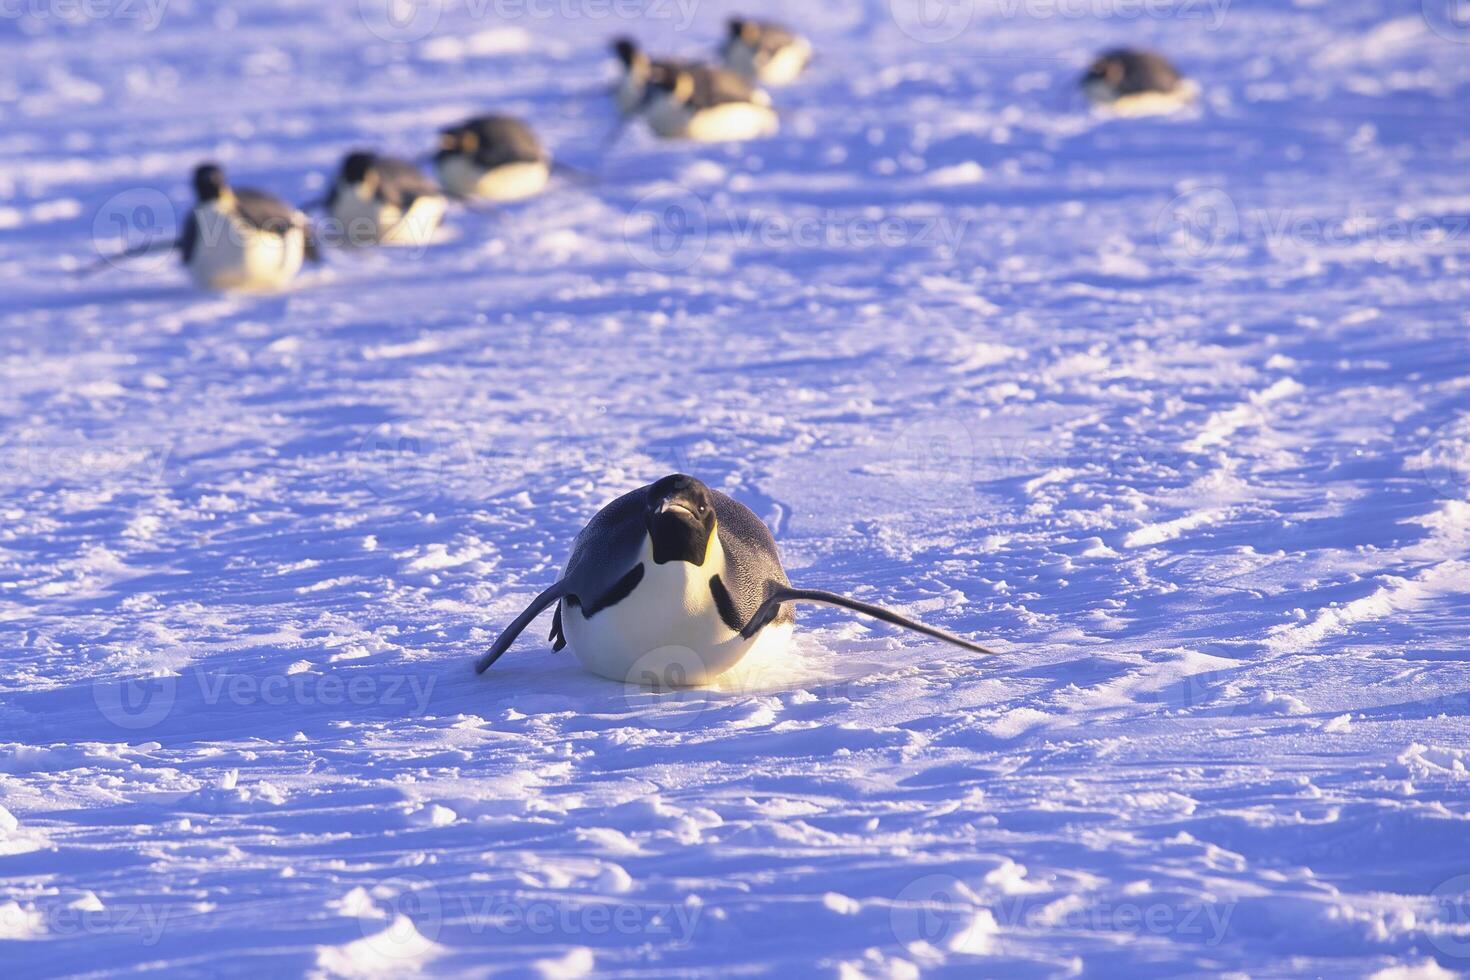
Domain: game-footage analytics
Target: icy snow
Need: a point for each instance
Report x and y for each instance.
(1173, 412)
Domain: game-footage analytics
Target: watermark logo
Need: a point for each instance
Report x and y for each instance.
(139, 224)
(1445, 461)
(934, 460)
(935, 909)
(1450, 19)
(668, 230)
(668, 679)
(414, 914)
(1451, 931)
(136, 703)
(400, 21)
(1200, 229)
(932, 21)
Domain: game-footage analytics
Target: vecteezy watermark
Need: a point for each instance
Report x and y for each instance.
(81, 461)
(670, 230)
(942, 911)
(1450, 19)
(1449, 930)
(939, 21)
(139, 223)
(415, 457)
(932, 21)
(413, 20)
(148, 13)
(1445, 461)
(400, 915)
(1211, 12)
(140, 703)
(1203, 229)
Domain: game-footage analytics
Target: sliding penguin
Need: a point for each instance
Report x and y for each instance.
(492, 158)
(679, 566)
(380, 200)
(1137, 83)
(638, 71)
(237, 238)
(708, 105)
(764, 52)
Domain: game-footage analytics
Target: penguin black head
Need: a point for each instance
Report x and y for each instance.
(680, 516)
(357, 166)
(1108, 69)
(627, 51)
(744, 30)
(209, 182)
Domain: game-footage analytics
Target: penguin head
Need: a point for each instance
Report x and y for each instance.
(679, 512)
(629, 54)
(744, 30)
(357, 167)
(209, 182)
(455, 140)
(1107, 70)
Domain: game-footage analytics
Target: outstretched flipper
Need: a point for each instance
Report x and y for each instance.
(773, 603)
(136, 251)
(574, 174)
(553, 594)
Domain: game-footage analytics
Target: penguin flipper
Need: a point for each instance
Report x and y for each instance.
(536, 608)
(772, 606)
(558, 638)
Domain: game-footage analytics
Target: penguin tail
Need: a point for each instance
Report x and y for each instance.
(772, 606)
(536, 608)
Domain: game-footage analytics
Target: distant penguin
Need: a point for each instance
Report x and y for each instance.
(492, 158)
(236, 238)
(676, 574)
(378, 200)
(1137, 83)
(638, 71)
(764, 52)
(708, 105)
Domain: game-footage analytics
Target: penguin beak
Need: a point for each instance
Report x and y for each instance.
(679, 533)
(671, 505)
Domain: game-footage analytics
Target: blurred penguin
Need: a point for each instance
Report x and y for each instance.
(1137, 83)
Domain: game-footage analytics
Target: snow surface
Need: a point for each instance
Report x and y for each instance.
(1175, 412)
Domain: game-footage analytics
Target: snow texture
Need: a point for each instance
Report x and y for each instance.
(1173, 411)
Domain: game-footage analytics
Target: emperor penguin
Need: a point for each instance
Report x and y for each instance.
(1137, 83)
(677, 573)
(708, 105)
(492, 158)
(380, 200)
(237, 238)
(638, 71)
(765, 52)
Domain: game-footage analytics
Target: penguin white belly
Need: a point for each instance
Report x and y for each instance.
(509, 182)
(781, 68)
(728, 122)
(667, 632)
(1144, 103)
(367, 221)
(230, 254)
